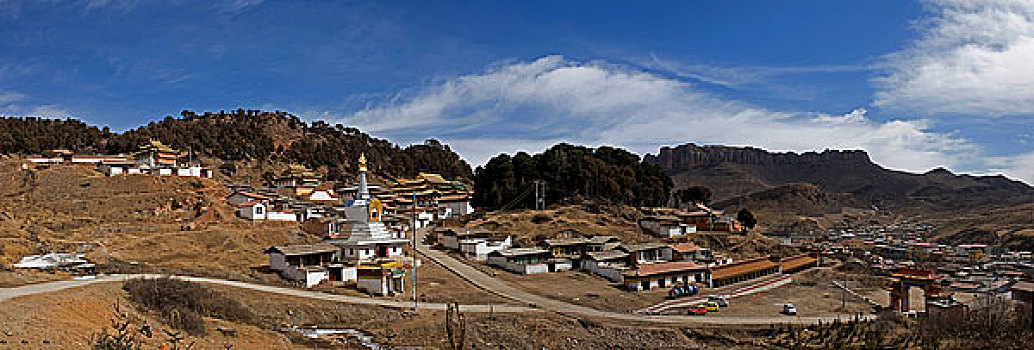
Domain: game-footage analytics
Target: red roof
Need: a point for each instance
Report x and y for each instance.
(248, 203)
(685, 247)
(656, 269)
(253, 195)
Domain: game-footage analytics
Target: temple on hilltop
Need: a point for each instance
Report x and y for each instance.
(155, 154)
(363, 237)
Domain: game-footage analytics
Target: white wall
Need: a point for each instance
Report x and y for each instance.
(281, 216)
(314, 277)
(253, 212)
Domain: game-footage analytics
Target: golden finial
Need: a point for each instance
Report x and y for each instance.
(362, 161)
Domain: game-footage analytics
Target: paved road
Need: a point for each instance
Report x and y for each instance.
(8, 293)
(498, 287)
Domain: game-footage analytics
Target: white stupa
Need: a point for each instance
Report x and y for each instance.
(363, 237)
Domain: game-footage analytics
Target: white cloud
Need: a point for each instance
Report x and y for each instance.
(14, 103)
(534, 104)
(1019, 167)
(972, 57)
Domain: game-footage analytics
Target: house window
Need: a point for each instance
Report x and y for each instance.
(259, 210)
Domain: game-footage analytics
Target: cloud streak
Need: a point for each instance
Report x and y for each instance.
(534, 104)
(972, 58)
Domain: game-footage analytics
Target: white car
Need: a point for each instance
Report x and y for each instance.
(789, 309)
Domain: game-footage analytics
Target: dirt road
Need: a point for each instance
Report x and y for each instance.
(9, 293)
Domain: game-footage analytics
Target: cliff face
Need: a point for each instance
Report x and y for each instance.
(690, 156)
(735, 171)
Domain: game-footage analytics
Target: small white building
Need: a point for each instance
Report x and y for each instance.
(242, 197)
(307, 263)
(281, 215)
(253, 210)
(607, 264)
(665, 226)
(524, 261)
(479, 248)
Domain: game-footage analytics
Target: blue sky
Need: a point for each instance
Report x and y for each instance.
(917, 84)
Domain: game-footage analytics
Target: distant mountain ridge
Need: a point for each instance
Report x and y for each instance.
(736, 171)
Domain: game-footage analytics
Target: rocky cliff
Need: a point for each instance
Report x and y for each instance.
(736, 171)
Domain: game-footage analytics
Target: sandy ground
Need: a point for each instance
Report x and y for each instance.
(67, 319)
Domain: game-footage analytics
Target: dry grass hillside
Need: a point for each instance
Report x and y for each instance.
(169, 222)
(577, 220)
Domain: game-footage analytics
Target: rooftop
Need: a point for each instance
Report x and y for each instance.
(662, 268)
(521, 251)
(303, 249)
(642, 246)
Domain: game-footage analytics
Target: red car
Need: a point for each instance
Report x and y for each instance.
(699, 310)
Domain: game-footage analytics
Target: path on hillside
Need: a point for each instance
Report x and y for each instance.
(9, 293)
(498, 287)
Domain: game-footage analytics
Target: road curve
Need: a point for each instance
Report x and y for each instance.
(498, 287)
(9, 293)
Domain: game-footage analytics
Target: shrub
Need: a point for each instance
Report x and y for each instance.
(182, 304)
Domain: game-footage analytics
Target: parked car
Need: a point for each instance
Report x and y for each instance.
(718, 299)
(698, 310)
(712, 306)
(789, 309)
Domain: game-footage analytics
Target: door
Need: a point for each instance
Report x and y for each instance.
(382, 252)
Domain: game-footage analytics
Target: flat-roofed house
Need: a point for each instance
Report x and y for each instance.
(524, 261)
(646, 253)
(253, 210)
(602, 243)
(307, 263)
(479, 248)
(381, 278)
(607, 264)
(667, 274)
(665, 226)
(566, 248)
(691, 252)
(241, 197)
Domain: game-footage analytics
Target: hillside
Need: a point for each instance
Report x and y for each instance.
(241, 136)
(177, 223)
(847, 179)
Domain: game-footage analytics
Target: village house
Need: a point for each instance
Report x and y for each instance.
(646, 253)
(667, 274)
(1023, 292)
(238, 198)
(665, 226)
(473, 244)
(602, 244)
(253, 210)
(607, 264)
(297, 178)
(381, 278)
(566, 248)
(524, 261)
(306, 263)
(691, 252)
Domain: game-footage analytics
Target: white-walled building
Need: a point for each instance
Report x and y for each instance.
(307, 263)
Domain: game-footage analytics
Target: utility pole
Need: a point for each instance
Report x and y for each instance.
(415, 301)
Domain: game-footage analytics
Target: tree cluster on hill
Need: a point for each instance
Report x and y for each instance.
(605, 173)
(35, 135)
(241, 135)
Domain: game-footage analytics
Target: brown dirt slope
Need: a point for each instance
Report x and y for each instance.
(170, 222)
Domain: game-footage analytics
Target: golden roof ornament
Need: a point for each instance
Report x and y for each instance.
(362, 161)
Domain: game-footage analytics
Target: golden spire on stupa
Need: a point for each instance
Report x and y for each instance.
(362, 161)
